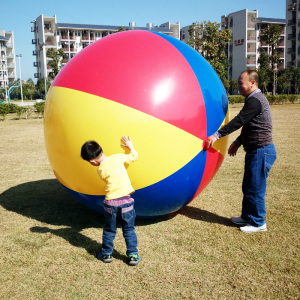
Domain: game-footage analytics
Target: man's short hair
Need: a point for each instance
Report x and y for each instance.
(253, 75)
(90, 150)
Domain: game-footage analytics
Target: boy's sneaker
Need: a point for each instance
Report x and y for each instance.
(133, 259)
(104, 258)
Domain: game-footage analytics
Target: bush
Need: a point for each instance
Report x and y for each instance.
(19, 111)
(40, 106)
(292, 98)
(4, 110)
(271, 99)
(236, 99)
(12, 108)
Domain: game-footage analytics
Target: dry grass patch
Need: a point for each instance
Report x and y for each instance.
(49, 241)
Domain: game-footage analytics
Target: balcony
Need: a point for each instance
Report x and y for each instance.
(34, 52)
(251, 25)
(35, 64)
(291, 51)
(292, 6)
(33, 29)
(224, 24)
(251, 50)
(280, 44)
(251, 62)
(292, 36)
(292, 22)
(46, 30)
(34, 41)
(36, 75)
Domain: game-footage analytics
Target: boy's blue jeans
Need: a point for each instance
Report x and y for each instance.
(124, 208)
(258, 164)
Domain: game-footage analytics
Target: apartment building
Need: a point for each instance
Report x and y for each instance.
(7, 59)
(292, 33)
(245, 47)
(48, 33)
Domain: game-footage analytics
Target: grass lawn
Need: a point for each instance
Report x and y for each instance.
(49, 241)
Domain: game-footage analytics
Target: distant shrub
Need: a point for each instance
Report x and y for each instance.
(12, 108)
(293, 98)
(4, 110)
(40, 106)
(236, 99)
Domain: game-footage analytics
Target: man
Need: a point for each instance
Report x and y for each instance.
(256, 138)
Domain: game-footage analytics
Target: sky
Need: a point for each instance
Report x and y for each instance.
(17, 16)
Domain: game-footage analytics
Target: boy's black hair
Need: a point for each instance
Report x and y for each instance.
(90, 150)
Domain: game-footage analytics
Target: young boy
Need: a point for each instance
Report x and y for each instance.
(117, 201)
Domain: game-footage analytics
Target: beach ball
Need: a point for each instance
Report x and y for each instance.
(153, 88)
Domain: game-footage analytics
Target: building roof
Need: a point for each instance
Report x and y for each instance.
(110, 27)
(3, 38)
(271, 20)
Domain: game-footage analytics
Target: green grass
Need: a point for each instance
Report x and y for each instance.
(49, 241)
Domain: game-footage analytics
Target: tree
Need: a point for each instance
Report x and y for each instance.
(233, 83)
(209, 40)
(57, 57)
(29, 89)
(292, 76)
(270, 35)
(264, 71)
(282, 83)
(40, 85)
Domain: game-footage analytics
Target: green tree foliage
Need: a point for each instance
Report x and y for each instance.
(282, 84)
(57, 57)
(233, 84)
(40, 85)
(292, 77)
(29, 89)
(264, 71)
(209, 40)
(270, 35)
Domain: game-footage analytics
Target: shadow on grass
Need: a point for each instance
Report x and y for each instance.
(48, 202)
(203, 215)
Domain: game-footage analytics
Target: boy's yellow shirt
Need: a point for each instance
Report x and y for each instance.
(113, 172)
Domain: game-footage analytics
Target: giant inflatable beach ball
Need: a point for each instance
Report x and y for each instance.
(153, 88)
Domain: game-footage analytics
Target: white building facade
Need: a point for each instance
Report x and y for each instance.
(7, 59)
(293, 33)
(245, 46)
(48, 33)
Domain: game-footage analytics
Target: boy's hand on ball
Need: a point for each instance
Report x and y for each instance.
(127, 142)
